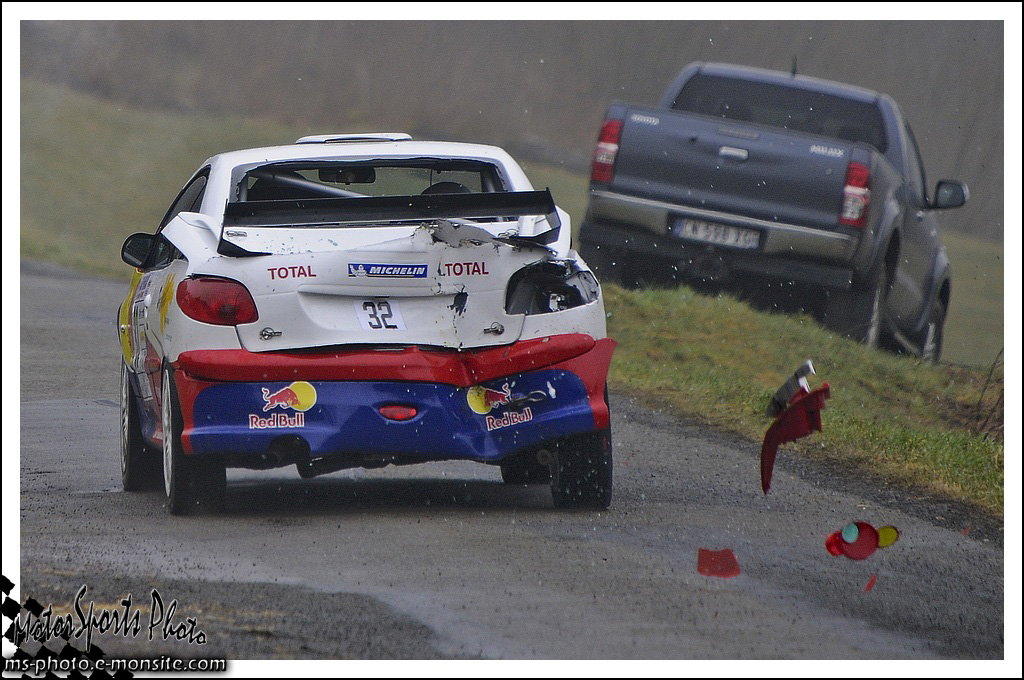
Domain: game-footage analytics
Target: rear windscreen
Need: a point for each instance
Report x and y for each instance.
(783, 107)
(333, 179)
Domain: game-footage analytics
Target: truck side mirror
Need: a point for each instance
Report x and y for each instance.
(950, 194)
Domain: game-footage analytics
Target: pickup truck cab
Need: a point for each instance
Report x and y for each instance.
(772, 181)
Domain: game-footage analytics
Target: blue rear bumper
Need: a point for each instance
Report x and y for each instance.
(241, 419)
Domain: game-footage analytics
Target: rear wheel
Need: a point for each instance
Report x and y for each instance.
(582, 473)
(189, 483)
(859, 314)
(140, 465)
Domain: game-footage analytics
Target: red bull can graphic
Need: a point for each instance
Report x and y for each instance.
(299, 396)
(482, 399)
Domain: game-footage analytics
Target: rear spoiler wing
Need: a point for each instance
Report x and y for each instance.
(313, 212)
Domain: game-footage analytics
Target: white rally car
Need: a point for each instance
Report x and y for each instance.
(359, 301)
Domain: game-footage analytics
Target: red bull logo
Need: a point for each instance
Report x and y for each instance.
(276, 420)
(509, 418)
(482, 399)
(299, 396)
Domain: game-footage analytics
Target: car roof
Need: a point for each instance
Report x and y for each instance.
(360, 149)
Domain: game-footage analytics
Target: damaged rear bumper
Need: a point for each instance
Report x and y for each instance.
(480, 405)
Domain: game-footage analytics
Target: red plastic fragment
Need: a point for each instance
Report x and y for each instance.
(801, 417)
(832, 544)
(865, 545)
(720, 563)
(870, 584)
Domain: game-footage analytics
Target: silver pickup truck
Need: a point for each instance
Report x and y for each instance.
(771, 181)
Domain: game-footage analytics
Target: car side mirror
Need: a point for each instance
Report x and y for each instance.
(136, 249)
(950, 194)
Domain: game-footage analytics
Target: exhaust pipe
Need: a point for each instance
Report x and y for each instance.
(285, 450)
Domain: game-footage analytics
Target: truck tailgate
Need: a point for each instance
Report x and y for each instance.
(732, 167)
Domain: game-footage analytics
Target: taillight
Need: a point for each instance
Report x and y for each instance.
(211, 299)
(607, 148)
(856, 195)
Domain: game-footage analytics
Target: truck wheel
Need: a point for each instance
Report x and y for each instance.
(931, 340)
(140, 465)
(859, 314)
(190, 484)
(582, 473)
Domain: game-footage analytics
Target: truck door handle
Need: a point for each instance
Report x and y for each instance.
(733, 153)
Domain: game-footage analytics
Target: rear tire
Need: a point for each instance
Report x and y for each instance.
(582, 474)
(140, 464)
(189, 483)
(859, 314)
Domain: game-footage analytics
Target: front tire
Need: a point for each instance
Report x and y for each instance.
(931, 340)
(582, 473)
(140, 465)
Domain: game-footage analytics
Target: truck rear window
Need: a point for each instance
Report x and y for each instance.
(783, 107)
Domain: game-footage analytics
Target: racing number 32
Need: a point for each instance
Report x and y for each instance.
(379, 315)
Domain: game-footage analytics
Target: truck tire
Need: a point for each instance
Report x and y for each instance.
(859, 314)
(581, 476)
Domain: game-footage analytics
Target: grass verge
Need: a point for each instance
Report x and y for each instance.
(716, 359)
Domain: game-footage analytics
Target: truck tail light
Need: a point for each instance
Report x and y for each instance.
(211, 299)
(607, 149)
(856, 196)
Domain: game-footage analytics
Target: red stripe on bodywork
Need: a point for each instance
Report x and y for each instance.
(188, 389)
(592, 369)
(410, 364)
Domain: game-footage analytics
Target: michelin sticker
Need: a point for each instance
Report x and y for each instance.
(387, 271)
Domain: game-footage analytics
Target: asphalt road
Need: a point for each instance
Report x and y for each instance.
(444, 561)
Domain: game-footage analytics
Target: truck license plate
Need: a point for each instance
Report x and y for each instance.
(719, 234)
